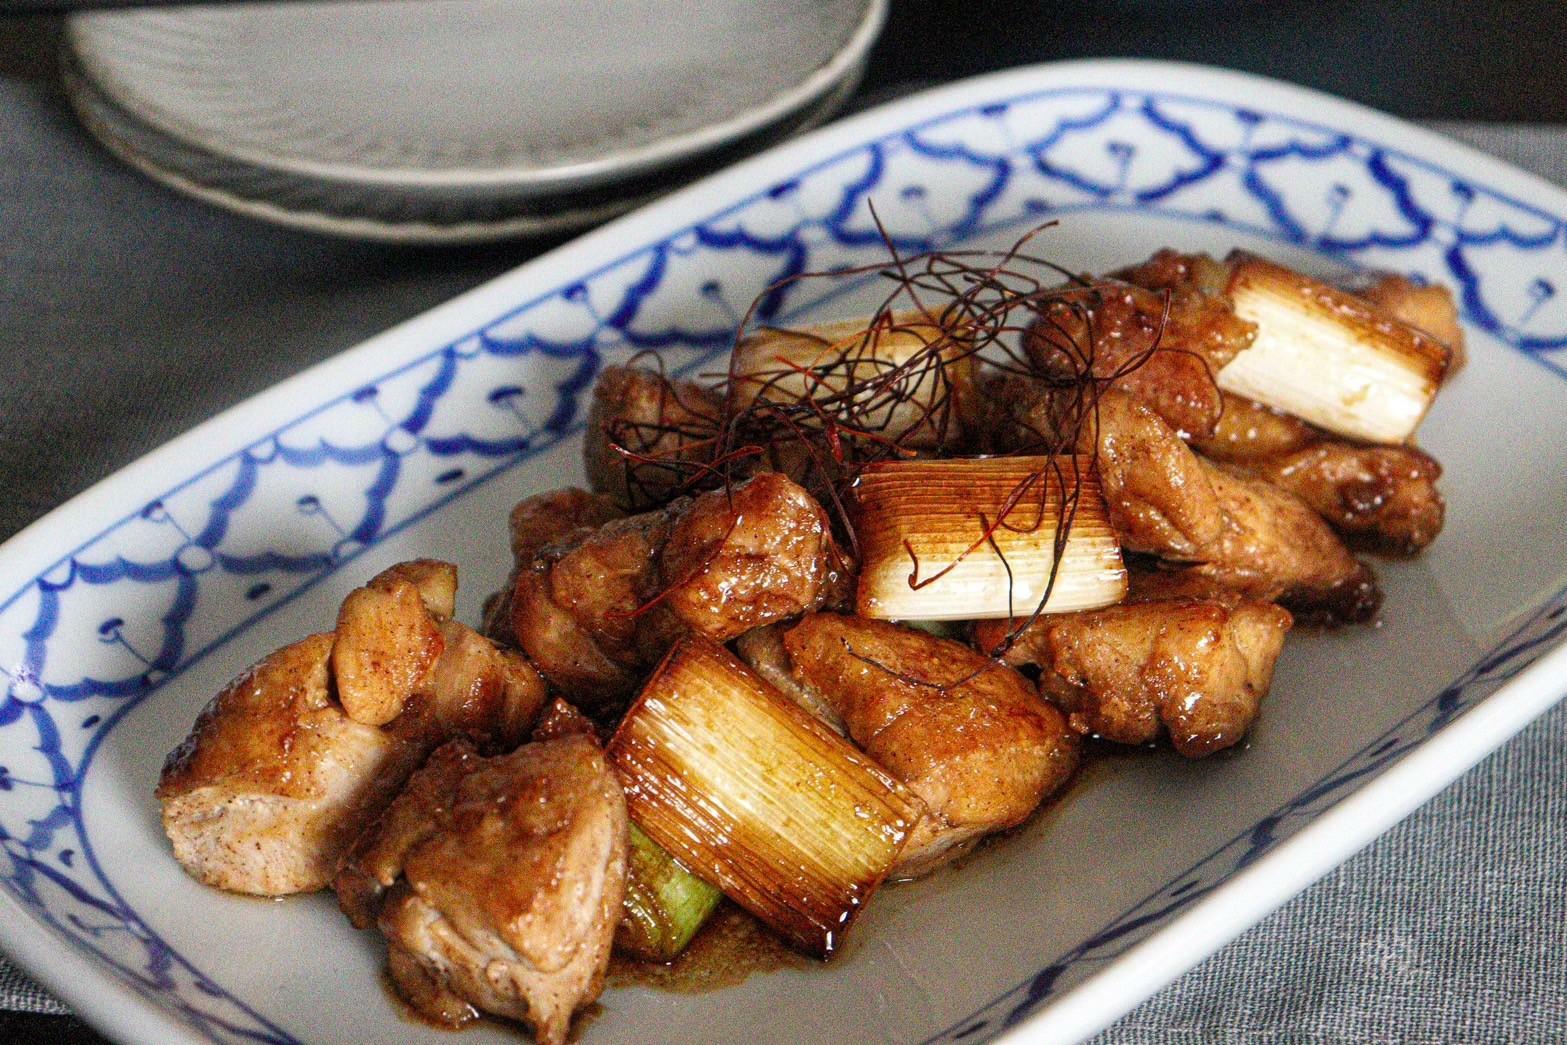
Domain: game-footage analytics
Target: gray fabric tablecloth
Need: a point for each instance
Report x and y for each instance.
(130, 314)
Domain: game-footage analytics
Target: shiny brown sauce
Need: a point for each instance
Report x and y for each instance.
(731, 948)
(408, 1014)
(734, 946)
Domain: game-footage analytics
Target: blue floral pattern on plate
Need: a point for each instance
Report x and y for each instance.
(363, 466)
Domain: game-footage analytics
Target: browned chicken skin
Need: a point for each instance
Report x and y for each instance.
(1243, 532)
(1196, 669)
(1274, 547)
(497, 882)
(596, 612)
(279, 775)
(764, 650)
(535, 522)
(1248, 431)
(575, 609)
(981, 755)
(275, 781)
(1162, 334)
(1380, 497)
(1161, 495)
(662, 421)
(549, 517)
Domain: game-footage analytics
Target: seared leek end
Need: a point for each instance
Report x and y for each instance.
(751, 793)
(665, 903)
(908, 378)
(1329, 357)
(973, 539)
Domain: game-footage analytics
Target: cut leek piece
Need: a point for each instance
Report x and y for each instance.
(975, 538)
(665, 904)
(751, 793)
(1330, 357)
(908, 378)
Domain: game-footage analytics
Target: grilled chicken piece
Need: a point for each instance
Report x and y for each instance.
(277, 778)
(549, 517)
(760, 553)
(275, 781)
(1162, 333)
(1161, 495)
(536, 522)
(1171, 270)
(497, 882)
(1243, 532)
(574, 611)
(1379, 497)
(596, 612)
(1274, 547)
(1196, 669)
(664, 422)
(671, 425)
(763, 649)
(435, 581)
(560, 719)
(476, 690)
(981, 754)
(387, 642)
(1249, 431)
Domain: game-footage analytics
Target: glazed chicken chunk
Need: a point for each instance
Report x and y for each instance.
(497, 882)
(1160, 334)
(1383, 498)
(660, 422)
(287, 764)
(596, 612)
(1193, 668)
(1380, 497)
(1244, 532)
(536, 522)
(971, 738)
(1166, 500)
(549, 517)
(1249, 431)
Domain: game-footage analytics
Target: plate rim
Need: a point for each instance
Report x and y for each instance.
(1334, 835)
(113, 129)
(558, 178)
(1423, 771)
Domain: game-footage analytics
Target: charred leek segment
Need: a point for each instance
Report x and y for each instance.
(1330, 357)
(756, 796)
(909, 378)
(974, 539)
(665, 903)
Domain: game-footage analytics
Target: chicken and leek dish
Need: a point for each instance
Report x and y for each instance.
(829, 617)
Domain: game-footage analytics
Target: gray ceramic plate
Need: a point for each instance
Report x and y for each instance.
(550, 95)
(423, 214)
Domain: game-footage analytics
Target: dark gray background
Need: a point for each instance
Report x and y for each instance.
(128, 314)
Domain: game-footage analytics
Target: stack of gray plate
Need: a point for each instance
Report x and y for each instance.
(457, 120)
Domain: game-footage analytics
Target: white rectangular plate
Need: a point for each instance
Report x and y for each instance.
(126, 609)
